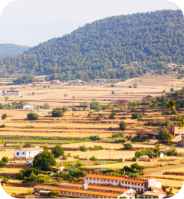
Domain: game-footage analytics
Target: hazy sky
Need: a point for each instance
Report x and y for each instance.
(29, 22)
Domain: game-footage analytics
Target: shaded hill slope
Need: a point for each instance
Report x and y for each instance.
(11, 49)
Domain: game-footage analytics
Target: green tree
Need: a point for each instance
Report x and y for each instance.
(4, 116)
(112, 115)
(128, 146)
(44, 160)
(122, 125)
(46, 106)
(27, 145)
(32, 116)
(57, 112)
(2, 164)
(135, 85)
(6, 98)
(65, 109)
(58, 151)
(165, 136)
(5, 159)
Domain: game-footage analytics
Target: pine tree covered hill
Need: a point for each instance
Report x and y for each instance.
(91, 51)
(11, 49)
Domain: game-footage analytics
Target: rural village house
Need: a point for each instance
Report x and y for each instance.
(11, 93)
(97, 81)
(28, 107)
(177, 131)
(147, 98)
(26, 153)
(55, 82)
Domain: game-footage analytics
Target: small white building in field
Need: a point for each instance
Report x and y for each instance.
(26, 153)
(28, 107)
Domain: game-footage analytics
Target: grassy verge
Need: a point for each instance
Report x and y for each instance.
(45, 141)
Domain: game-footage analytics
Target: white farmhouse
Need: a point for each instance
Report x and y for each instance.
(26, 153)
(28, 107)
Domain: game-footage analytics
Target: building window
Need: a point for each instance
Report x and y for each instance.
(17, 153)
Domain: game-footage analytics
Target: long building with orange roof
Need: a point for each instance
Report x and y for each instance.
(120, 181)
(82, 192)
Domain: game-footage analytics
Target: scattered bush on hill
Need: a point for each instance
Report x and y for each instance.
(27, 145)
(112, 115)
(128, 146)
(122, 126)
(32, 116)
(93, 158)
(57, 112)
(4, 116)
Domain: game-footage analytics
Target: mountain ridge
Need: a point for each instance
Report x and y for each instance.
(92, 50)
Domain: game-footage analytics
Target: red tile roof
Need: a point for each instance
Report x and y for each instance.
(109, 188)
(52, 188)
(119, 178)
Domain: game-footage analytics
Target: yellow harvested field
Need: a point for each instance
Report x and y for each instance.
(8, 153)
(172, 183)
(176, 170)
(10, 189)
(103, 154)
(121, 165)
(92, 144)
(9, 170)
(55, 94)
(174, 177)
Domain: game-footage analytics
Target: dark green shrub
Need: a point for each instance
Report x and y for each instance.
(4, 116)
(57, 112)
(123, 125)
(128, 146)
(32, 116)
(5, 159)
(58, 151)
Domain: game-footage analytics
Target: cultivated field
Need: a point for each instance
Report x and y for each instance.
(8, 153)
(9, 170)
(55, 94)
(10, 189)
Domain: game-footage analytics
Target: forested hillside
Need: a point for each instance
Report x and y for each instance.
(93, 50)
(11, 49)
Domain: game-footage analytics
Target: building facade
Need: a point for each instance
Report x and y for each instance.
(11, 93)
(28, 107)
(77, 193)
(107, 180)
(122, 102)
(152, 134)
(147, 98)
(26, 153)
(177, 131)
(55, 82)
(101, 81)
(137, 184)
(181, 142)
